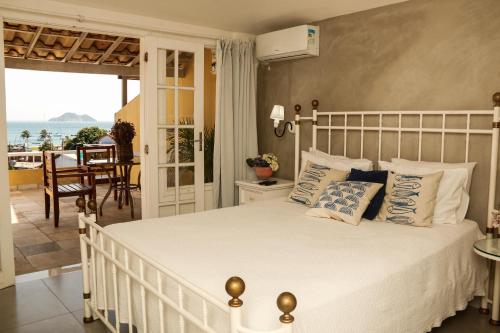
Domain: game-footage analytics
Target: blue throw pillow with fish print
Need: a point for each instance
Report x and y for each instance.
(312, 181)
(410, 199)
(345, 201)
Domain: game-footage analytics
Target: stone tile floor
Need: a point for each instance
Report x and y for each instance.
(38, 245)
(54, 305)
(49, 305)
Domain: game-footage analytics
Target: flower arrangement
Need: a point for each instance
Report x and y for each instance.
(264, 165)
(272, 160)
(123, 133)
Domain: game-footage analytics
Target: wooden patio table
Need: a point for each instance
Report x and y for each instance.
(123, 184)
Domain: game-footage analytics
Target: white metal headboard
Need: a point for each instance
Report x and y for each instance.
(399, 129)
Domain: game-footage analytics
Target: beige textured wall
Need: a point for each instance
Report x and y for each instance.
(421, 54)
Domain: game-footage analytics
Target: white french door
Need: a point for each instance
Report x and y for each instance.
(7, 275)
(172, 127)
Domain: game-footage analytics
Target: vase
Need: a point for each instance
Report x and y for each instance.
(125, 152)
(263, 173)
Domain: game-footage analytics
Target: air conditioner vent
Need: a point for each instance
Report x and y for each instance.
(292, 43)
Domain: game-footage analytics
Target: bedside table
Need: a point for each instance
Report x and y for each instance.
(490, 248)
(250, 191)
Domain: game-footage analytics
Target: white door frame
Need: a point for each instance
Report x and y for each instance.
(7, 269)
(150, 122)
(52, 13)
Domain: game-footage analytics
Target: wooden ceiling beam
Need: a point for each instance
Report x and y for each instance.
(110, 50)
(135, 77)
(69, 67)
(75, 47)
(33, 41)
(134, 61)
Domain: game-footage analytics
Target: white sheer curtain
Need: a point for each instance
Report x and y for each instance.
(235, 117)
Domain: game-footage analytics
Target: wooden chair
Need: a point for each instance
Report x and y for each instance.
(107, 152)
(52, 188)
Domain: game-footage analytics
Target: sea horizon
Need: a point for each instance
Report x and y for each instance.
(57, 129)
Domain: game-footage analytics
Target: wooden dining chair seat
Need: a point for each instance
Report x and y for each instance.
(73, 189)
(53, 188)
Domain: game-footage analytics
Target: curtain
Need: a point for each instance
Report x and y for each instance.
(235, 117)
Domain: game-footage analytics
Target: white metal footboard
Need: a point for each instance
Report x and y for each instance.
(130, 293)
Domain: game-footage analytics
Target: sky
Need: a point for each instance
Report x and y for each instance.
(40, 95)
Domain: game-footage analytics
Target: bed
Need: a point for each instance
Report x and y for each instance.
(167, 274)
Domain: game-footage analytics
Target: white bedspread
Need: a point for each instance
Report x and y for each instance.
(376, 277)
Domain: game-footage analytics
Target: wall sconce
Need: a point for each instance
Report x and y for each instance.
(278, 114)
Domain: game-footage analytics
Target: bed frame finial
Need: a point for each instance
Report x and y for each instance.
(496, 99)
(315, 104)
(286, 303)
(297, 108)
(235, 287)
(80, 202)
(92, 205)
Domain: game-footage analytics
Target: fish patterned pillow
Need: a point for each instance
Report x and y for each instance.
(410, 199)
(345, 201)
(312, 181)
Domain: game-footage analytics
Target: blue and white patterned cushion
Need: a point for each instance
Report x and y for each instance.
(344, 200)
(410, 199)
(312, 181)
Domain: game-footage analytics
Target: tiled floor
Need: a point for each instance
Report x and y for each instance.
(38, 245)
(54, 305)
(49, 305)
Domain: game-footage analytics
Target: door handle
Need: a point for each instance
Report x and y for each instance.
(200, 141)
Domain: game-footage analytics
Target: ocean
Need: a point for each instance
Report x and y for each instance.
(57, 129)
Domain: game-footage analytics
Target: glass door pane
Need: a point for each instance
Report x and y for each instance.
(179, 110)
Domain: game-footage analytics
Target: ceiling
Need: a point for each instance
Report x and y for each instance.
(249, 16)
(28, 46)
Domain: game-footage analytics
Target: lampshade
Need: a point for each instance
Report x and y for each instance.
(278, 114)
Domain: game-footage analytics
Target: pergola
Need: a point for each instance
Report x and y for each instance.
(28, 46)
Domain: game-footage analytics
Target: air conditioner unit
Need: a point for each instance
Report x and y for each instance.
(286, 44)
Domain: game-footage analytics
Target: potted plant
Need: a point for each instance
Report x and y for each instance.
(123, 133)
(264, 165)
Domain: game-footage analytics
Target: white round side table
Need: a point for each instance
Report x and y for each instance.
(490, 248)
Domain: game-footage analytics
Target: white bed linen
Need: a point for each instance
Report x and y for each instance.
(375, 277)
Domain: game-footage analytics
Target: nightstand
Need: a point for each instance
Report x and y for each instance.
(490, 249)
(250, 191)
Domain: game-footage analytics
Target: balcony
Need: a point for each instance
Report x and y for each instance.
(38, 245)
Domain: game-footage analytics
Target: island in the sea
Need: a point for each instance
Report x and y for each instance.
(70, 116)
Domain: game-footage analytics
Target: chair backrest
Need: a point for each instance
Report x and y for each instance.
(91, 152)
(49, 169)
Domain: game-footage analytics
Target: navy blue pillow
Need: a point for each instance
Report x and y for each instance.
(379, 177)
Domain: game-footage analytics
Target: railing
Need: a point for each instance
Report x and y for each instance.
(33, 159)
(27, 169)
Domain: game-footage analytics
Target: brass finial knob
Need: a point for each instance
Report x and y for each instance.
(315, 103)
(92, 205)
(297, 108)
(286, 303)
(496, 99)
(235, 287)
(80, 202)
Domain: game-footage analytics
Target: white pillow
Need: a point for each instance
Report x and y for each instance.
(344, 163)
(326, 155)
(449, 208)
(441, 166)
